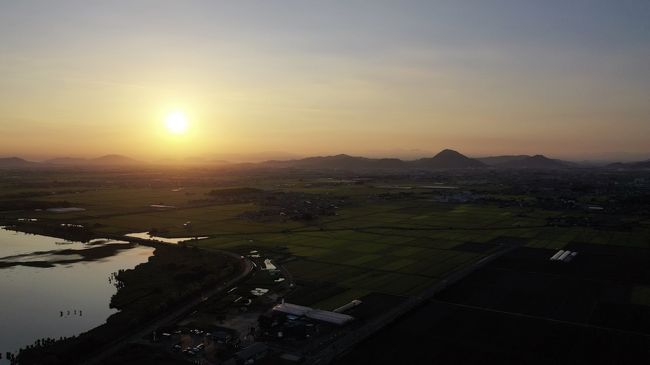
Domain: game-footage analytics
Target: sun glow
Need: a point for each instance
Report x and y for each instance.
(176, 122)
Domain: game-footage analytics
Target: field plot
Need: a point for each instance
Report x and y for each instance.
(525, 309)
(595, 288)
(398, 261)
(208, 220)
(392, 247)
(443, 333)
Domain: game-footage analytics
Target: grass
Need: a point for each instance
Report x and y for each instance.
(394, 247)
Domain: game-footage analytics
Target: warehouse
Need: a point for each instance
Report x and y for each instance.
(316, 314)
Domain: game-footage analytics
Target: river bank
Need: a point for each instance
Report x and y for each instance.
(173, 275)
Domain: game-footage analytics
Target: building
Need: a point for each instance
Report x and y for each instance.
(315, 314)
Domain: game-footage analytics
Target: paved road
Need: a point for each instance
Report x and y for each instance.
(348, 341)
(111, 349)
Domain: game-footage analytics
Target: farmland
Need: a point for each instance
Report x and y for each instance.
(381, 240)
(340, 238)
(590, 311)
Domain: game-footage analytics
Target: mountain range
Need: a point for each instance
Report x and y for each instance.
(445, 159)
(107, 160)
(103, 161)
(631, 165)
(16, 162)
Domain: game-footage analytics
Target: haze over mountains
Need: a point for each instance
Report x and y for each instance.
(103, 160)
(16, 162)
(528, 162)
(107, 160)
(445, 159)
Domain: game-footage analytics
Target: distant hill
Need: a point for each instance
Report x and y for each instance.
(107, 160)
(448, 159)
(252, 157)
(16, 162)
(66, 161)
(443, 160)
(640, 165)
(630, 165)
(345, 162)
(498, 160)
(114, 160)
(535, 162)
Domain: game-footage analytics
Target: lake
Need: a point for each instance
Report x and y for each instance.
(151, 237)
(51, 287)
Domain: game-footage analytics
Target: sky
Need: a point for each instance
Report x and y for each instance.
(566, 78)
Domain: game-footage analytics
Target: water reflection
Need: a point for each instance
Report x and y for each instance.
(50, 290)
(151, 237)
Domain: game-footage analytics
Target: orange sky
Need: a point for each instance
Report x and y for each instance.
(563, 80)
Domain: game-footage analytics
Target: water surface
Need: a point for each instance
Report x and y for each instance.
(151, 237)
(52, 287)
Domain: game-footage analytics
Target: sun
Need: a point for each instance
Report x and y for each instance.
(176, 122)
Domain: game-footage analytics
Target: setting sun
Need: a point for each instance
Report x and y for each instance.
(176, 122)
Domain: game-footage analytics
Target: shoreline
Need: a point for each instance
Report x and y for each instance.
(172, 299)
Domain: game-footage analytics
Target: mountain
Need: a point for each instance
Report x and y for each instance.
(342, 161)
(640, 164)
(498, 160)
(630, 165)
(445, 159)
(448, 159)
(535, 162)
(114, 160)
(66, 161)
(16, 162)
(252, 157)
(107, 160)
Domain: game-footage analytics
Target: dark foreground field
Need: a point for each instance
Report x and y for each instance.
(525, 309)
